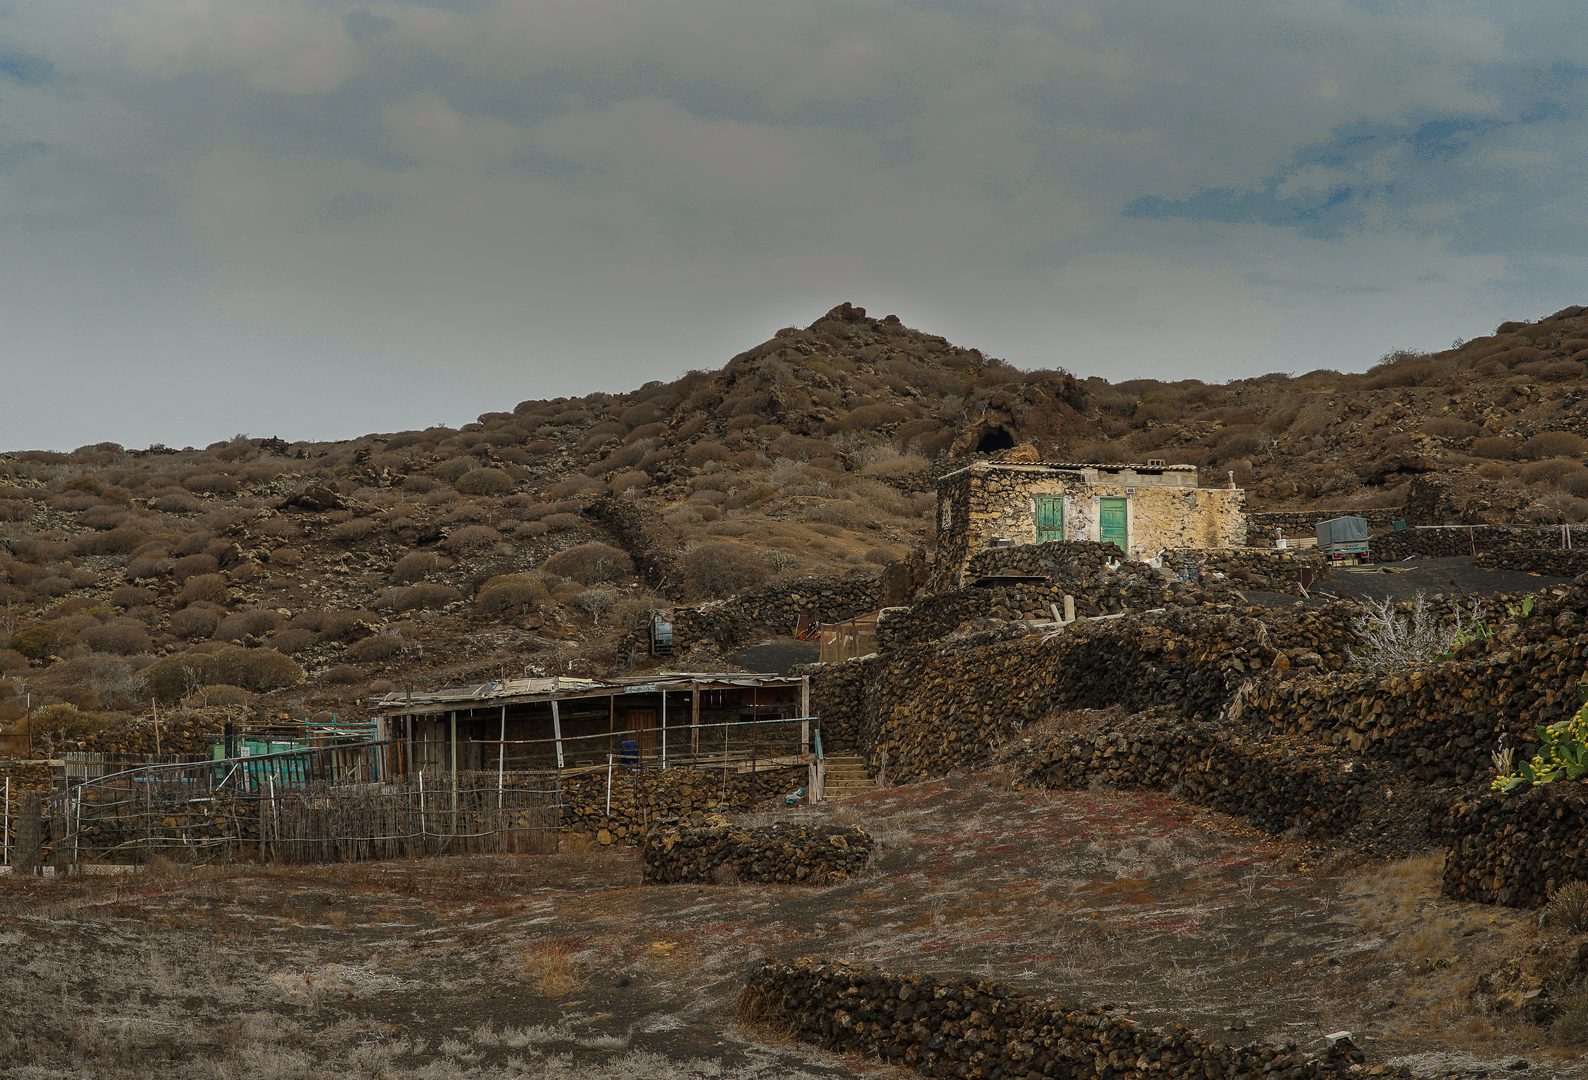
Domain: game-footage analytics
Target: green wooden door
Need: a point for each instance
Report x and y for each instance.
(1050, 518)
(1111, 522)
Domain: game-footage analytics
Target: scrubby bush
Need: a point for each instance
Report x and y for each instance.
(38, 640)
(472, 538)
(1549, 472)
(287, 557)
(1451, 427)
(176, 502)
(1495, 446)
(211, 588)
(241, 624)
(196, 620)
(375, 647)
(341, 625)
(122, 637)
(57, 724)
(190, 565)
(1552, 444)
(416, 565)
(562, 522)
(257, 670)
(510, 594)
(291, 642)
(485, 482)
(343, 675)
(595, 603)
(719, 569)
(131, 596)
(51, 586)
(350, 532)
(212, 484)
(115, 542)
(590, 564)
(530, 530)
(427, 596)
(700, 453)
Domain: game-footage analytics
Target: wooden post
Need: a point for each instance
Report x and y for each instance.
(805, 712)
(694, 717)
(5, 837)
(664, 728)
(60, 851)
(501, 758)
(30, 834)
(454, 715)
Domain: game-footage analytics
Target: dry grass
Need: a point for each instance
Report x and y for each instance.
(553, 968)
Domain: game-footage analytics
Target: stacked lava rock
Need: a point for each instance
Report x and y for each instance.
(951, 1027)
(765, 610)
(784, 854)
(1517, 849)
(639, 801)
(1549, 562)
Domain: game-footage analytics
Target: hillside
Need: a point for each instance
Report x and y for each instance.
(299, 578)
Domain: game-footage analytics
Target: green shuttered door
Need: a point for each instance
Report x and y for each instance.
(1111, 522)
(1050, 518)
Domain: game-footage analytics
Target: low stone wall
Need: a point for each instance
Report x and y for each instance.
(933, 708)
(650, 542)
(776, 854)
(1468, 540)
(764, 611)
(1439, 722)
(952, 1027)
(1254, 568)
(1516, 849)
(647, 799)
(1278, 785)
(1546, 562)
(1297, 523)
(1067, 559)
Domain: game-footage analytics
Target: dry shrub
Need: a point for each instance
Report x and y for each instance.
(122, 637)
(1493, 471)
(291, 642)
(375, 647)
(190, 565)
(351, 532)
(628, 480)
(472, 538)
(450, 471)
(255, 623)
(701, 453)
(212, 484)
(131, 596)
(426, 596)
(195, 621)
(719, 569)
(551, 968)
(115, 542)
(343, 675)
(63, 723)
(176, 502)
(1549, 472)
(485, 482)
(416, 565)
(1552, 444)
(529, 530)
(286, 557)
(206, 587)
(340, 625)
(1103, 453)
(255, 670)
(841, 512)
(51, 586)
(1568, 907)
(562, 522)
(510, 594)
(12, 661)
(1451, 427)
(589, 564)
(1495, 446)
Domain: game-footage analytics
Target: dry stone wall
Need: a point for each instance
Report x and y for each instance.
(781, 854)
(1301, 523)
(1516, 849)
(765, 611)
(1469, 540)
(1546, 562)
(980, 1028)
(931, 708)
(647, 799)
(1439, 722)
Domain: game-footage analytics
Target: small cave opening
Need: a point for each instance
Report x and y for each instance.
(993, 440)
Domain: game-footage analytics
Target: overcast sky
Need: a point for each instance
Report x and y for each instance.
(318, 219)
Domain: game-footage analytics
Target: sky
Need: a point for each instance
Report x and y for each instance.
(320, 219)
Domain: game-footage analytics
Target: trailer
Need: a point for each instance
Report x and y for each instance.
(1343, 538)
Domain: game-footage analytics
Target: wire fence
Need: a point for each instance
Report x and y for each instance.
(363, 800)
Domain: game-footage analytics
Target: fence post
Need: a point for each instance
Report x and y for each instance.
(60, 854)
(5, 837)
(501, 758)
(30, 834)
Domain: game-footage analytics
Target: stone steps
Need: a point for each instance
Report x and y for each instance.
(846, 777)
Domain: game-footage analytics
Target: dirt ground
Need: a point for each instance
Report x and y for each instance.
(567, 966)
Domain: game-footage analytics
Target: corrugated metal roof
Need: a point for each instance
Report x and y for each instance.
(547, 688)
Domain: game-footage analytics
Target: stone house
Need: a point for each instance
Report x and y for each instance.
(1141, 508)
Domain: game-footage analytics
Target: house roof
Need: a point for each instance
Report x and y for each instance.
(561, 688)
(1140, 467)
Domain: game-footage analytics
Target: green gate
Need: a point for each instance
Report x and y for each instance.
(1050, 518)
(1111, 523)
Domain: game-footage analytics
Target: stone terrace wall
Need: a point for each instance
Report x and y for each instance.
(1440, 722)
(782, 854)
(1516, 849)
(651, 798)
(1547, 562)
(1467, 540)
(952, 1027)
(1275, 784)
(765, 610)
(932, 708)
(1297, 523)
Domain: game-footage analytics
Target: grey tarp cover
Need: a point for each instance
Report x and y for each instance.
(1342, 530)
